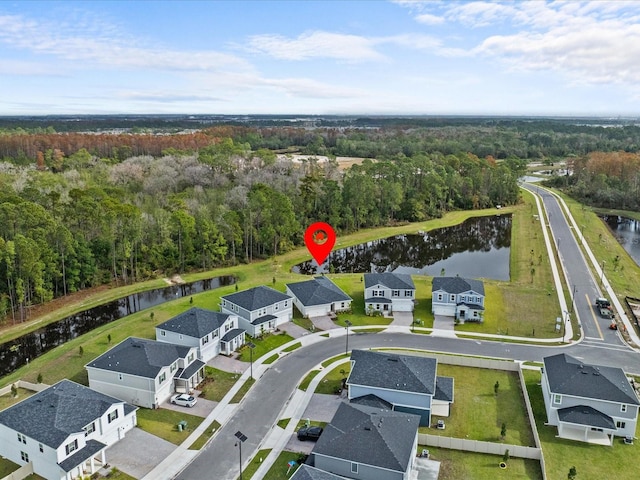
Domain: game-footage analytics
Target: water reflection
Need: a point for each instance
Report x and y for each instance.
(477, 248)
(627, 232)
(18, 352)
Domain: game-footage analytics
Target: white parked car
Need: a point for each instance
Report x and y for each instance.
(184, 400)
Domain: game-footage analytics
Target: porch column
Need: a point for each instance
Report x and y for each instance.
(103, 458)
(93, 465)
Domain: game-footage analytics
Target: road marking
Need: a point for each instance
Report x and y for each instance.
(594, 338)
(593, 314)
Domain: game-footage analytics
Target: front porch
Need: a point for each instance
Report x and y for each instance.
(585, 434)
(86, 461)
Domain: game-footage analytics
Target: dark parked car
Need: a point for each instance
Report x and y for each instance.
(309, 433)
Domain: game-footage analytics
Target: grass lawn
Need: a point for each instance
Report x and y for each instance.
(7, 466)
(8, 399)
(164, 423)
(293, 347)
(329, 361)
(333, 380)
(116, 474)
(263, 345)
(251, 468)
(217, 383)
(237, 398)
(271, 359)
(204, 438)
(457, 465)
(477, 413)
(591, 461)
(283, 422)
(307, 380)
(280, 467)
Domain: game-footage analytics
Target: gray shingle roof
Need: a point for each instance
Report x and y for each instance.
(371, 400)
(390, 280)
(50, 416)
(318, 291)
(585, 415)
(195, 322)
(139, 356)
(307, 472)
(370, 436)
(191, 370)
(90, 449)
(569, 376)
(457, 285)
(444, 389)
(255, 298)
(378, 300)
(406, 373)
(231, 334)
(263, 319)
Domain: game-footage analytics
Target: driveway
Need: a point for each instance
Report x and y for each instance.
(202, 408)
(404, 319)
(298, 446)
(296, 331)
(322, 407)
(228, 364)
(324, 322)
(138, 452)
(443, 326)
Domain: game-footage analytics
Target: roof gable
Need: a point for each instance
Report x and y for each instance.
(53, 414)
(394, 281)
(256, 298)
(405, 373)
(569, 376)
(318, 291)
(457, 285)
(195, 322)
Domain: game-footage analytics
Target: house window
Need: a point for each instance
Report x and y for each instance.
(227, 327)
(163, 377)
(163, 333)
(408, 293)
(190, 357)
(71, 447)
(621, 424)
(24, 456)
(22, 438)
(623, 408)
(557, 399)
(41, 447)
(205, 340)
(276, 306)
(89, 429)
(215, 334)
(112, 416)
(452, 298)
(439, 297)
(173, 367)
(395, 293)
(354, 467)
(224, 303)
(286, 303)
(342, 305)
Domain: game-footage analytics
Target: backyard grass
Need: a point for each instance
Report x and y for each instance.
(237, 398)
(307, 380)
(617, 461)
(164, 423)
(457, 465)
(7, 466)
(478, 413)
(204, 438)
(280, 467)
(332, 382)
(217, 383)
(264, 345)
(8, 400)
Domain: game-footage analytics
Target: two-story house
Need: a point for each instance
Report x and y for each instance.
(458, 297)
(367, 443)
(318, 296)
(589, 403)
(388, 292)
(64, 430)
(210, 332)
(259, 309)
(404, 383)
(146, 372)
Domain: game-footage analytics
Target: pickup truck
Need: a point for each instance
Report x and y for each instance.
(605, 312)
(603, 303)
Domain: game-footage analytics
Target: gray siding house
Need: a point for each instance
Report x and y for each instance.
(64, 430)
(307, 472)
(259, 309)
(588, 403)
(368, 443)
(408, 383)
(388, 292)
(458, 297)
(146, 372)
(319, 296)
(210, 332)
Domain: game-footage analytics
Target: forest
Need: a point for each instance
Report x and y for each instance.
(80, 209)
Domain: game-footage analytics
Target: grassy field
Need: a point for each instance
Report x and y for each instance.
(164, 423)
(8, 399)
(204, 438)
(7, 466)
(280, 467)
(333, 380)
(263, 345)
(217, 383)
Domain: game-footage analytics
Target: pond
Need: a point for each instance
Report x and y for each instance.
(477, 248)
(20, 351)
(627, 232)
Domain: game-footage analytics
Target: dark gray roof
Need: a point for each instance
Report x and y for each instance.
(231, 334)
(457, 285)
(444, 389)
(585, 415)
(256, 298)
(263, 319)
(307, 472)
(371, 400)
(50, 416)
(195, 322)
(318, 291)
(90, 449)
(474, 306)
(569, 376)
(395, 281)
(139, 356)
(370, 436)
(406, 373)
(378, 300)
(191, 370)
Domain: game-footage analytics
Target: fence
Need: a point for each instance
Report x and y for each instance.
(20, 473)
(478, 446)
(35, 387)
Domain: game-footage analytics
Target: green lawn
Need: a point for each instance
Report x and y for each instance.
(263, 345)
(7, 466)
(333, 380)
(204, 438)
(217, 383)
(116, 474)
(164, 423)
(307, 380)
(459, 465)
(591, 461)
(237, 398)
(8, 399)
(279, 469)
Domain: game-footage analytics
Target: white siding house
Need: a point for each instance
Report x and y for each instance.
(388, 292)
(210, 332)
(260, 309)
(318, 296)
(64, 430)
(458, 297)
(146, 372)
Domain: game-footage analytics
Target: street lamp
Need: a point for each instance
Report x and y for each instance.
(251, 346)
(564, 325)
(348, 324)
(241, 439)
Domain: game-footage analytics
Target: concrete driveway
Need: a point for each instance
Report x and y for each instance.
(322, 407)
(298, 446)
(324, 322)
(296, 331)
(202, 408)
(404, 319)
(228, 364)
(138, 452)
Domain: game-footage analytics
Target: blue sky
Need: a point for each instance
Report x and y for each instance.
(320, 57)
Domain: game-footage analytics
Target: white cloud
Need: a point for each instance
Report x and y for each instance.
(429, 19)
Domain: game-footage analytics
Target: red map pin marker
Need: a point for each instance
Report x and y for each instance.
(320, 239)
